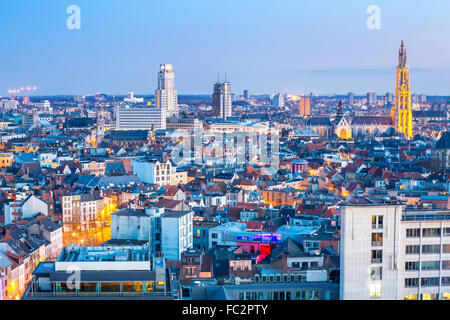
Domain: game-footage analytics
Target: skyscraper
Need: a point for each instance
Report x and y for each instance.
(389, 97)
(401, 111)
(222, 103)
(278, 100)
(305, 106)
(371, 97)
(246, 94)
(350, 98)
(166, 97)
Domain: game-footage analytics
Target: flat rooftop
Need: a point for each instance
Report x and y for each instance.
(76, 253)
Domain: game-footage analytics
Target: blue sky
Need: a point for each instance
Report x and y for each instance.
(293, 46)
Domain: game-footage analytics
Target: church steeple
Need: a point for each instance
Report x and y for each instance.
(402, 56)
(401, 111)
(339, 113)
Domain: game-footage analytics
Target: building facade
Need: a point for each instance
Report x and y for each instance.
(166, 96)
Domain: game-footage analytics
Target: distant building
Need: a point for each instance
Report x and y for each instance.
(155, 172)
(350, 98)
(246, 94)
(278, 100)
(221, 100)
(166, 96)
(177, 123)
(29, 119)
(442, 151)
(304, 106)
(6, 105)
(81, 211)
(140, 118)
(132, 99)
(371, 97)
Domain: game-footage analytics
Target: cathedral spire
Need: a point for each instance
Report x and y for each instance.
(402, 56)
(401, 112)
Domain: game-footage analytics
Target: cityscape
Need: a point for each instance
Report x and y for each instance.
(228, 195)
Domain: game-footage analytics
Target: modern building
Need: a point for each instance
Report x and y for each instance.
(278, 100)
(305, 106)
(350, 98)
(371, 97)
(221, 100)
(99, 273)
(140, 118)
(6, 105)
(176, 233)
(177, 123)
(166, 96)
(390, 253)
(29, 119)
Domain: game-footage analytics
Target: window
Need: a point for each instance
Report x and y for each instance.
(377, 239)
(376, 273)
(429, 282)
(377, 222)
(429, 296)
(446, 265)
(375, 290)
(411, 282)
(446, 248)
(214, 235)
(446, 232)
(413, 249)
(431, 232)
(377, 256)
(430, 265)
(413, 233)
(431, 248)
(411, 265)
(445, 281)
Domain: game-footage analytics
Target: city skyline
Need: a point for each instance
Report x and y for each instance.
(286, 53)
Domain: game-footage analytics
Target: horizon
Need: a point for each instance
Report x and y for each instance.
(291, 47)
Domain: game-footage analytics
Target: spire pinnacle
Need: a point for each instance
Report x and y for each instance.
(402, 56)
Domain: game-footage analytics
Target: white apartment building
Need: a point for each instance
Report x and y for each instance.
(176, 233)
(80, 210)
(155, 172)
(166, 96)
(392, 254)
(7, 105)
(140, 118)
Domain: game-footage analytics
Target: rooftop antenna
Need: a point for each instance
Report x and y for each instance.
(218, 79)
(225, 77)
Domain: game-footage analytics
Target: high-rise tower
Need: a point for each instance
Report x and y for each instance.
(166, 96)
(221, 100)
(401, 111)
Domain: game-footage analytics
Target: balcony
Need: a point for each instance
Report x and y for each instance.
(377, 243)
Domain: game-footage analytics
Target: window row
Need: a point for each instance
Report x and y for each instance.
(427, 248)
(427, 232)
(427, 282)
